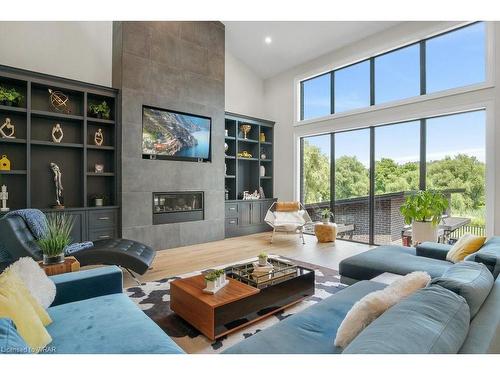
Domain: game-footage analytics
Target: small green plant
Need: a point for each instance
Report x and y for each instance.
(326, 213)
(424, 206)
(263, 255)
(100, 110)
(58, 235)
(212, 276)
(10, 96)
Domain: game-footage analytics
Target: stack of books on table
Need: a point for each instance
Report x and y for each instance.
(261, 271)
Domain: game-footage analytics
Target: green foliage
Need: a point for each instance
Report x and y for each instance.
(263, 255)
(326, 213)
(352, 178)
(424, 206)
(316, 175)
(58, 235)
(100, 109)
(212, 276)
(10, 95)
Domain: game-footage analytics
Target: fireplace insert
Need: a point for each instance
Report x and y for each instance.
(176, 207)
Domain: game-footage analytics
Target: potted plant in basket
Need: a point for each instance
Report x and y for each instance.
(423, 211)
(10, 97)
(57, 237)
(326, 214)
(263, 259)
(101, 110)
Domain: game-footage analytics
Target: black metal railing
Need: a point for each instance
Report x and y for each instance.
(478, 230)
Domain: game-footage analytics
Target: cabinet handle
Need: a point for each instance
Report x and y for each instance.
(104, 218)
(232, 208)
(104, 236)
(232, 221)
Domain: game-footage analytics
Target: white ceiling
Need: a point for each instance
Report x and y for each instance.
(293, 42)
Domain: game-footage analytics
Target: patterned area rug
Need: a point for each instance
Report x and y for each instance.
(154, 299)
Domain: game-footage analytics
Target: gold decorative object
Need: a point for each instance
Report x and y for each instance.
(57, 133)
(262, 137)
(245, 128)
(4, 163)
(244, 154)
(98, 138)
(7, 125)
(59, 101)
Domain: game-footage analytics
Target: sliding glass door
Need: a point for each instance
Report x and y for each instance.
(376, 168)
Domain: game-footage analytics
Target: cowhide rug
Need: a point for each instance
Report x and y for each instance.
(154, 299)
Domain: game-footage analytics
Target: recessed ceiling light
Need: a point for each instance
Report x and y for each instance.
(268, 40)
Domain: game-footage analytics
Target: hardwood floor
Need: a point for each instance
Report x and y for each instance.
(186, 259)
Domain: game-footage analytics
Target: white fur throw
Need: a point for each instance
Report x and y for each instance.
(371, 306)
(41, 287)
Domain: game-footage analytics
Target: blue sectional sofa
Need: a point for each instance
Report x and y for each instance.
(92, 315)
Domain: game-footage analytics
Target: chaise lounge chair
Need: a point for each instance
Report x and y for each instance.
(18, 241)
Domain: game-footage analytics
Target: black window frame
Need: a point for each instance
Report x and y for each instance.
(422, 70)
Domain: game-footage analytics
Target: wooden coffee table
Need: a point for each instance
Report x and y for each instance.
(238, 304)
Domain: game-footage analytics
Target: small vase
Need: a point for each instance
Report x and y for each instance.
(222, 279)
(262, 171)
(99, 202)
(53, 259)
(326, 221)
(210, 284)
(262, 261)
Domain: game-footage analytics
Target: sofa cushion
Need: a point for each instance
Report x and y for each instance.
(488, 254)
(311, 331)
(484, 331)
(10, 340)
(394, 259)
(432, 320)
(466, 245)
(374, 304)
(471, 280)
(105, 325)
(433, 250)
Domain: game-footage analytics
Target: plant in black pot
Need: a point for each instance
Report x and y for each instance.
(101, 110)
(10, 97)
(57, 237)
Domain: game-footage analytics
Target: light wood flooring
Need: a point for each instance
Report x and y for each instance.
(186, 259)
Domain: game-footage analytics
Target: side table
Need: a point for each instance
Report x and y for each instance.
(325, 232)
(70, 264)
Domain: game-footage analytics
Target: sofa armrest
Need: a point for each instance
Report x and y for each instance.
(433, 250)
(77, 286)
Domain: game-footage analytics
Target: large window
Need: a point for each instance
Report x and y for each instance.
(454, 59)
(316, 97)
(449, 158)
(352, 87)
(397, 74)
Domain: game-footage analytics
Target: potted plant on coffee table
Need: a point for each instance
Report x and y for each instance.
(326, 214)
(57, 237)
(424, 211)
(263, 259)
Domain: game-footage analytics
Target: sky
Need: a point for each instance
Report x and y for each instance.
(446, 136)
(454, 59)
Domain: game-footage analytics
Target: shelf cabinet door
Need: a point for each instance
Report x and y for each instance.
(245, 213)
(255, 217)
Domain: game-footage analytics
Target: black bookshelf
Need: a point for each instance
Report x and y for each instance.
(243, 173)
(30, 181)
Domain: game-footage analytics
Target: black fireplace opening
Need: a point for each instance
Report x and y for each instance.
(177, 207)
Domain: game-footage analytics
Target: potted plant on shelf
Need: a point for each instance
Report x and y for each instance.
(57, 237)
(424, 211)
(326, 215)
(101, 110)
(10, 97)
(263, 259)
(99, 199)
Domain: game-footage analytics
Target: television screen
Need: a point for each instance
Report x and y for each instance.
(175, 135)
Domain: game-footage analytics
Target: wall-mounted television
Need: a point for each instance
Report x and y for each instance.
(175, 135)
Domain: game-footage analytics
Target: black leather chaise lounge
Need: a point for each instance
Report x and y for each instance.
(17, 239)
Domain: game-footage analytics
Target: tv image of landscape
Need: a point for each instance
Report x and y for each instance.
(171, 134)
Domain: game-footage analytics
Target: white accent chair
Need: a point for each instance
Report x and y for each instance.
(287, 217)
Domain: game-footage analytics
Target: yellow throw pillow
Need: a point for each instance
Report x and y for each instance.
(28, 315)
(466, 245)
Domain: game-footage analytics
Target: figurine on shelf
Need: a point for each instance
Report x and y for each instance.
(57, 133)
(59, 101)
(58, 185)
(261, 192)
(245, 128)
(99, 168)
(262, 171)
(7, 125)
(4, 163)
(98, 138)
(226, 147)
(4, 196)
(262, 137)
(244, 154)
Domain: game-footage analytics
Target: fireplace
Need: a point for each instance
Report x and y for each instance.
(177, 207)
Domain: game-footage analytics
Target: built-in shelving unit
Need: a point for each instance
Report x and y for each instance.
(30, 180)
(243, 174)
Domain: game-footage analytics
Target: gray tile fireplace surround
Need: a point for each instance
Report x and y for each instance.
(177, 66)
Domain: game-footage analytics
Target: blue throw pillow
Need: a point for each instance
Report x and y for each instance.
(10, 341)
(471, 280)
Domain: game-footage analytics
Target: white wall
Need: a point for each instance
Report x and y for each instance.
(244, 89)
(76, 50)
(281, 93)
